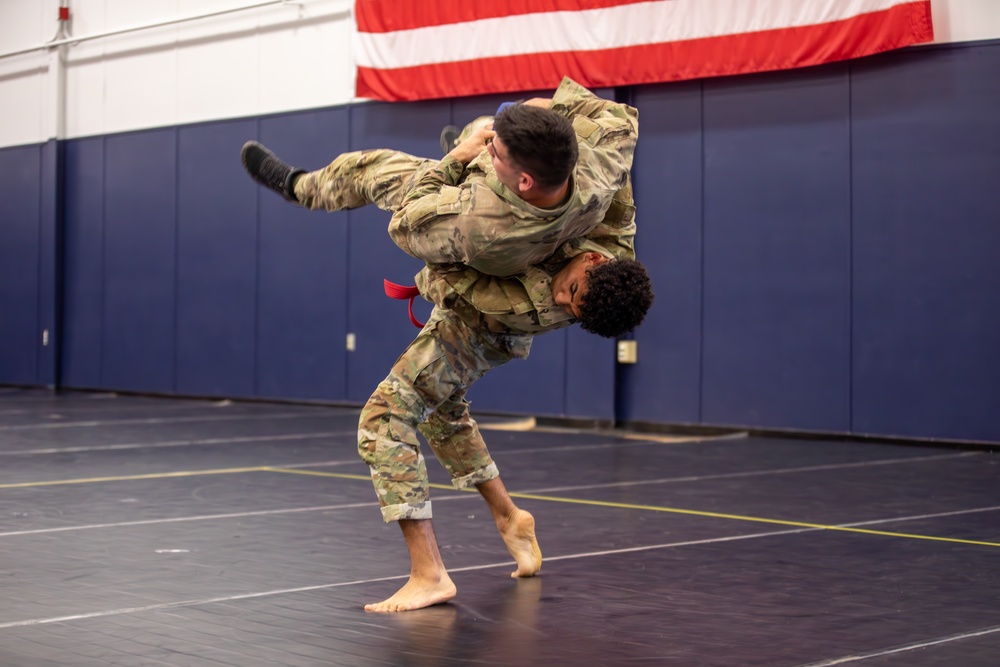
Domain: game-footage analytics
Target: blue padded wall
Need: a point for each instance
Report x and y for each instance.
(83, 264)
(667, 178)
(532, 386)
(20, 222)
(777, 251)
(380, 324)
(140, 261)
(50, 262)
(590, 384)
(926, 163)
(302, 268)
(216, 262)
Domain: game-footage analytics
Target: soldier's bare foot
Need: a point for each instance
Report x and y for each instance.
(518, 534)
(417, 593)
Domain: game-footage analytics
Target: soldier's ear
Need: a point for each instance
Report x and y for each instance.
(525, 181)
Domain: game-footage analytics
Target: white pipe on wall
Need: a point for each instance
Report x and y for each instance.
(56, 126)
(86, 38)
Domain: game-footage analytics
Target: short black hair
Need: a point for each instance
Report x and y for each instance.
(541, 141)
(619, 293)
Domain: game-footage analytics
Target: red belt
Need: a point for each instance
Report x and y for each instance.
(394, 291)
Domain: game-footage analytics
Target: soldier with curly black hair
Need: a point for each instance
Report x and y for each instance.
(615, 293)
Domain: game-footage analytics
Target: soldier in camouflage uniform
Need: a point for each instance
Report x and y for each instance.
(499, 270)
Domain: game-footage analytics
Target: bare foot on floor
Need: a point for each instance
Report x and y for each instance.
(417, 594)
(519, 536)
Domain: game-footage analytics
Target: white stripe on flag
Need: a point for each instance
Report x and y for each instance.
(613, 27)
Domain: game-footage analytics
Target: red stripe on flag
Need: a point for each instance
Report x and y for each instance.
(768, 50)
(392, 15)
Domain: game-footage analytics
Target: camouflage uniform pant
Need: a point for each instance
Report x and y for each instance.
(425, 391)
(381, 177)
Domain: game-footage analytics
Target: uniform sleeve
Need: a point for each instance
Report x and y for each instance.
(610, 130)
(613, 237)
(607, 132)
(435, 197)
(576, 102)
(616, 232)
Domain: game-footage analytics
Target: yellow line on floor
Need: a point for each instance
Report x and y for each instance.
(126, 478)
(740, 517)
(526, 496)
(343, 475)
(674, 510)
(319, 473)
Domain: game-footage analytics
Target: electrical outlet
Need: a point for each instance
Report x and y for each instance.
(628, 352)
(351, 342)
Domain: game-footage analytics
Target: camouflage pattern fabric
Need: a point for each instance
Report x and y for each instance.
(425, 391)
(381, 177)
(454, 215)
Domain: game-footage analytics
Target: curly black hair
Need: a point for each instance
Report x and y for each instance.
(619, 293)
(541, 141)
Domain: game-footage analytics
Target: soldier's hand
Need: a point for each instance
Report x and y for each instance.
(469, 150)
(543, 102)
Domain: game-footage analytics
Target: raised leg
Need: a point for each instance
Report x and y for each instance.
(380, 176)
(516, 526)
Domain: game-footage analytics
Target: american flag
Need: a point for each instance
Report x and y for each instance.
(423, 49)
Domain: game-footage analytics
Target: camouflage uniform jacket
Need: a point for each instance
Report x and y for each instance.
(490, 255)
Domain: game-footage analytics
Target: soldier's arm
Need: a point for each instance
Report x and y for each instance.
(572, 99)
(607, 131)
(436, 197)
(614, 236)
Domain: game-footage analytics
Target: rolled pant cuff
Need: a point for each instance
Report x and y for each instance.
(406, 511)
(476, 478)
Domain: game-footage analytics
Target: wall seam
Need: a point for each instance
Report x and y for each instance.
(255, 385)
(177, 257)
(104, 259)
(701, 268)
(850, 247)
(348, 272)
(39, 349)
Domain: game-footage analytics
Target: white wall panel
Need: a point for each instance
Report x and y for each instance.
(85, 80)
(22, 110)
(216, 63)
(307, 64)
(965, 20)
(22, 77)
(140, 89)
(85, 70)
(21, 23)
(128, 13)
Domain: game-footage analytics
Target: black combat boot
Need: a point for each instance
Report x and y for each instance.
(449, 138)
(267, 169)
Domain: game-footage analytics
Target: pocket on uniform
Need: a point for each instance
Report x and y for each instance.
(429, 208)
(587, 130)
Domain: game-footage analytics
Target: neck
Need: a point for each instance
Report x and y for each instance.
(547, 198)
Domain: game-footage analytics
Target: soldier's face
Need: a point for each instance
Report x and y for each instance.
(506, 171)
(570, 284)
